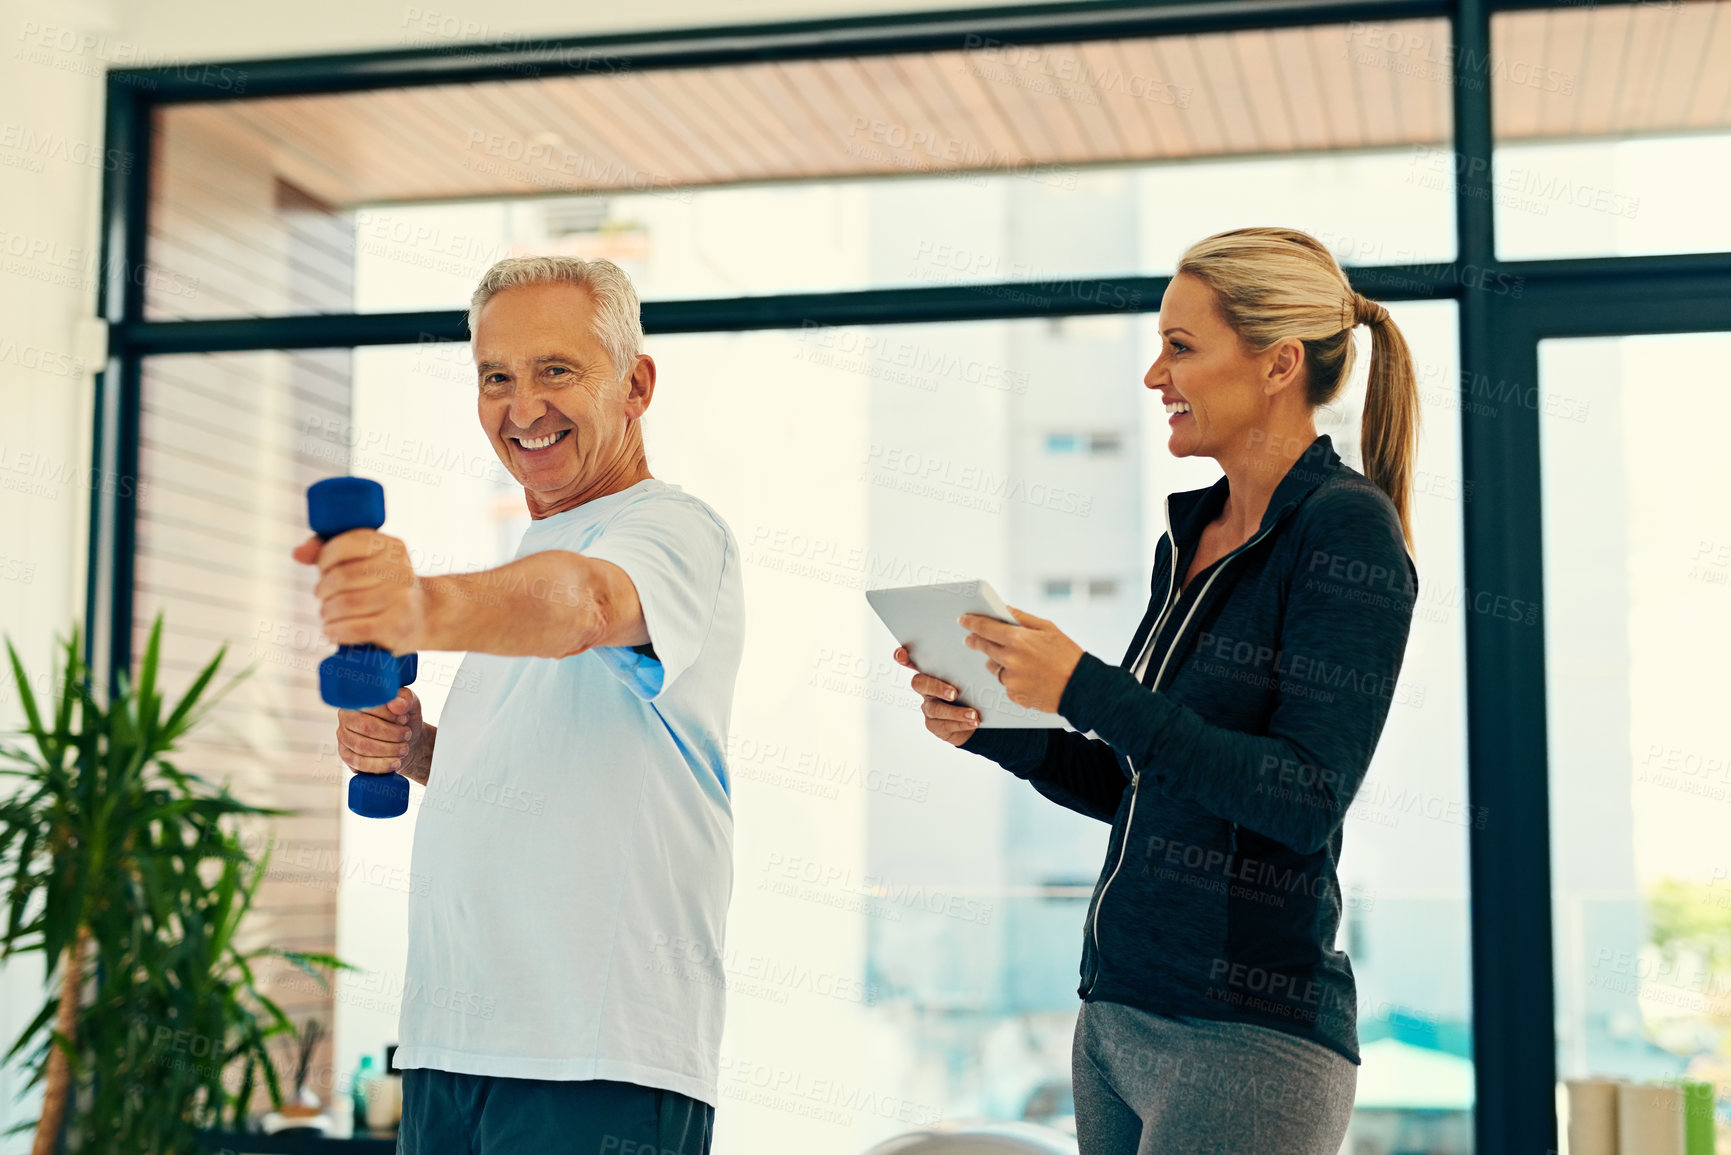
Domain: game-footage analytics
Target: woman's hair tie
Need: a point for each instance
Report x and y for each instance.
(1365, 311)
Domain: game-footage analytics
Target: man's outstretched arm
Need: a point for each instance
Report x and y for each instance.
(551, 604)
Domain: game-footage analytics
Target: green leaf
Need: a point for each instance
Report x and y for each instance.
(183, 716)
(27, 698)
(71, 685)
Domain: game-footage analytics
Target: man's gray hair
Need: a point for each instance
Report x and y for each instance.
(618, 320)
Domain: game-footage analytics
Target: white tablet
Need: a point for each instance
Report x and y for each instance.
(923, 618)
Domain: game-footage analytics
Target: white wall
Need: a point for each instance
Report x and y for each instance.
(48, 213)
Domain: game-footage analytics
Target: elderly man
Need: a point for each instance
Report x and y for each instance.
(579, 858)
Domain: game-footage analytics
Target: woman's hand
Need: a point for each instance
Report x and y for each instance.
(954, 724)
(1033, 660)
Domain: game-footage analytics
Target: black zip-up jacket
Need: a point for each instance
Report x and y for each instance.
(1227, 771)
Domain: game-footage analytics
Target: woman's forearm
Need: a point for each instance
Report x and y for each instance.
(1070, 769)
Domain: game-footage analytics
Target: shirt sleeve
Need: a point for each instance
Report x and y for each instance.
(675, 552)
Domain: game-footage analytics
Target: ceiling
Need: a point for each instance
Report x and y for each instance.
(1578, 71)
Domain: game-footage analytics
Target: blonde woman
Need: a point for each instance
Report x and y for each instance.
(1217, 1014)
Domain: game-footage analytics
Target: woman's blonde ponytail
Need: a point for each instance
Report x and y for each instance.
(1388, 437)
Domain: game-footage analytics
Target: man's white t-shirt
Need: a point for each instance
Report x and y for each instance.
(574, 849)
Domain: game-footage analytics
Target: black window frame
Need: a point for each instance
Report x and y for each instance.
(1507, 764)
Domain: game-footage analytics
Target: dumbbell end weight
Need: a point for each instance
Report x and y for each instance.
(360, 677)
(378, 795)
(339, 504)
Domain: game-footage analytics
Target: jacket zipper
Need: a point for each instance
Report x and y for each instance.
(1135, 774)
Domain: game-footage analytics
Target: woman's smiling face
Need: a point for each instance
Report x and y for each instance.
(1211, 384)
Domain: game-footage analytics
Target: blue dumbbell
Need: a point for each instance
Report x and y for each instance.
(360, 677)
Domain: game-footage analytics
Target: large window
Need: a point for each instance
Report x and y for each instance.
(1638, 595)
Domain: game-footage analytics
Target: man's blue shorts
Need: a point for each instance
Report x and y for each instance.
(451, 1114)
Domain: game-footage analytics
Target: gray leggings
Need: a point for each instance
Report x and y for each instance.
(1150, 1084)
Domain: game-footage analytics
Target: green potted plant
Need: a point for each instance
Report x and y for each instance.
(129, 875)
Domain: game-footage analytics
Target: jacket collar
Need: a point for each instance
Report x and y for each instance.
(1190, 511)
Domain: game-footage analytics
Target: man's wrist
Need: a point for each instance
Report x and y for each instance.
(420, 767)
(437, 625)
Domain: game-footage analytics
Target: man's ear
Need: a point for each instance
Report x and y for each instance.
(642, 386)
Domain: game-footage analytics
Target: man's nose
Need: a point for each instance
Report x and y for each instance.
(527, 406)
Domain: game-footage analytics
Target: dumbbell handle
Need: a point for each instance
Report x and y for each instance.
(359, 677)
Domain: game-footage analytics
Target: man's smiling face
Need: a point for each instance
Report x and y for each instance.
(559, 414)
